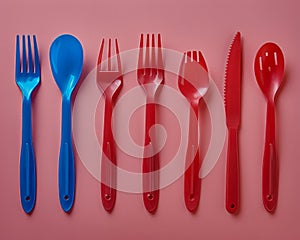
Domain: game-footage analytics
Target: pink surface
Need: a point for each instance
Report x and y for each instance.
(207, 25)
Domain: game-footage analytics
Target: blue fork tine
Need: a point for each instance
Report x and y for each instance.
(36, 56)
(24, 64)
(30, 61)
(33, 65)
(18, 64)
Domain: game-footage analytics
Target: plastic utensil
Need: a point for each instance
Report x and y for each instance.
(193, 82)
(66, 59)
(150, 76)
(269, 70)
(232, 102)
(110, 81)
(27, 78)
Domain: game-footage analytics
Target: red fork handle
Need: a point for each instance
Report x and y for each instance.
(270, 169)
(192, 181)
(108, 163)
(150, 165)
(232, 172)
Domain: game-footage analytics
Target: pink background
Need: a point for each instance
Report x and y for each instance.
(207, 25)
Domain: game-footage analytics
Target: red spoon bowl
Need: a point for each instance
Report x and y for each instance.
(269, 69)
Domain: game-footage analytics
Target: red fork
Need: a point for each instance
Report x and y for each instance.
(150, 75)
(109, 81)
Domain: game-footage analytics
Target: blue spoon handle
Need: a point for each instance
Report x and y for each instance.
(27, 160)
(66, 170)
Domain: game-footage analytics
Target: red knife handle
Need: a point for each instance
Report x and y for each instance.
(108, 163)
(150, 164)
(232, 172)
(270, 170)
(192, 182)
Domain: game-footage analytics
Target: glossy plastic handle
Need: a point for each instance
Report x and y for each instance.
(66, 170)
(27, 160)
(150, 165)
(270, 162)
(232, 172)
(192, 182)
(108, 172)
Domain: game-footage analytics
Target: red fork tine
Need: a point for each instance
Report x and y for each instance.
(159, 54)
(147, 55)
(181, 69)
(153, 64)
(119, 66)
(141, 56)
(188, 54)
(195, 56)
(100, 53)
(109, 56)
(202, 61)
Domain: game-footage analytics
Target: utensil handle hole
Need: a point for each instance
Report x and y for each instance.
(192, 197)
(269, 197)
(107, 196)
(150, 196)
(66, 197)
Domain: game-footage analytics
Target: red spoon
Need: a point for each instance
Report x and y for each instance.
(269, 69)
(193, 83)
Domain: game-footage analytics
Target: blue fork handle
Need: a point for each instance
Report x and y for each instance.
(27, 160)
(66, 170)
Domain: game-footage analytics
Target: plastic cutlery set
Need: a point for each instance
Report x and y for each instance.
(66, 60)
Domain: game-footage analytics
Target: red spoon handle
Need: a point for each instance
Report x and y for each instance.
(192, 185)
(270, 163)
(150, 164)
(108, 163)
(192, 182)
(232, 172)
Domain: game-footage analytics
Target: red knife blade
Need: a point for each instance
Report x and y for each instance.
(232, 101)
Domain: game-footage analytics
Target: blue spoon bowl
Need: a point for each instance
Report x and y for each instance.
(66, 60)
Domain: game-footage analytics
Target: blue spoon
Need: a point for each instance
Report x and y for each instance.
(66, 59)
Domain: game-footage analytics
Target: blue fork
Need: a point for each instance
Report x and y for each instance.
(27, 78)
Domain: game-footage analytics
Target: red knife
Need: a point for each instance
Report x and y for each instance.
(232, 101)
